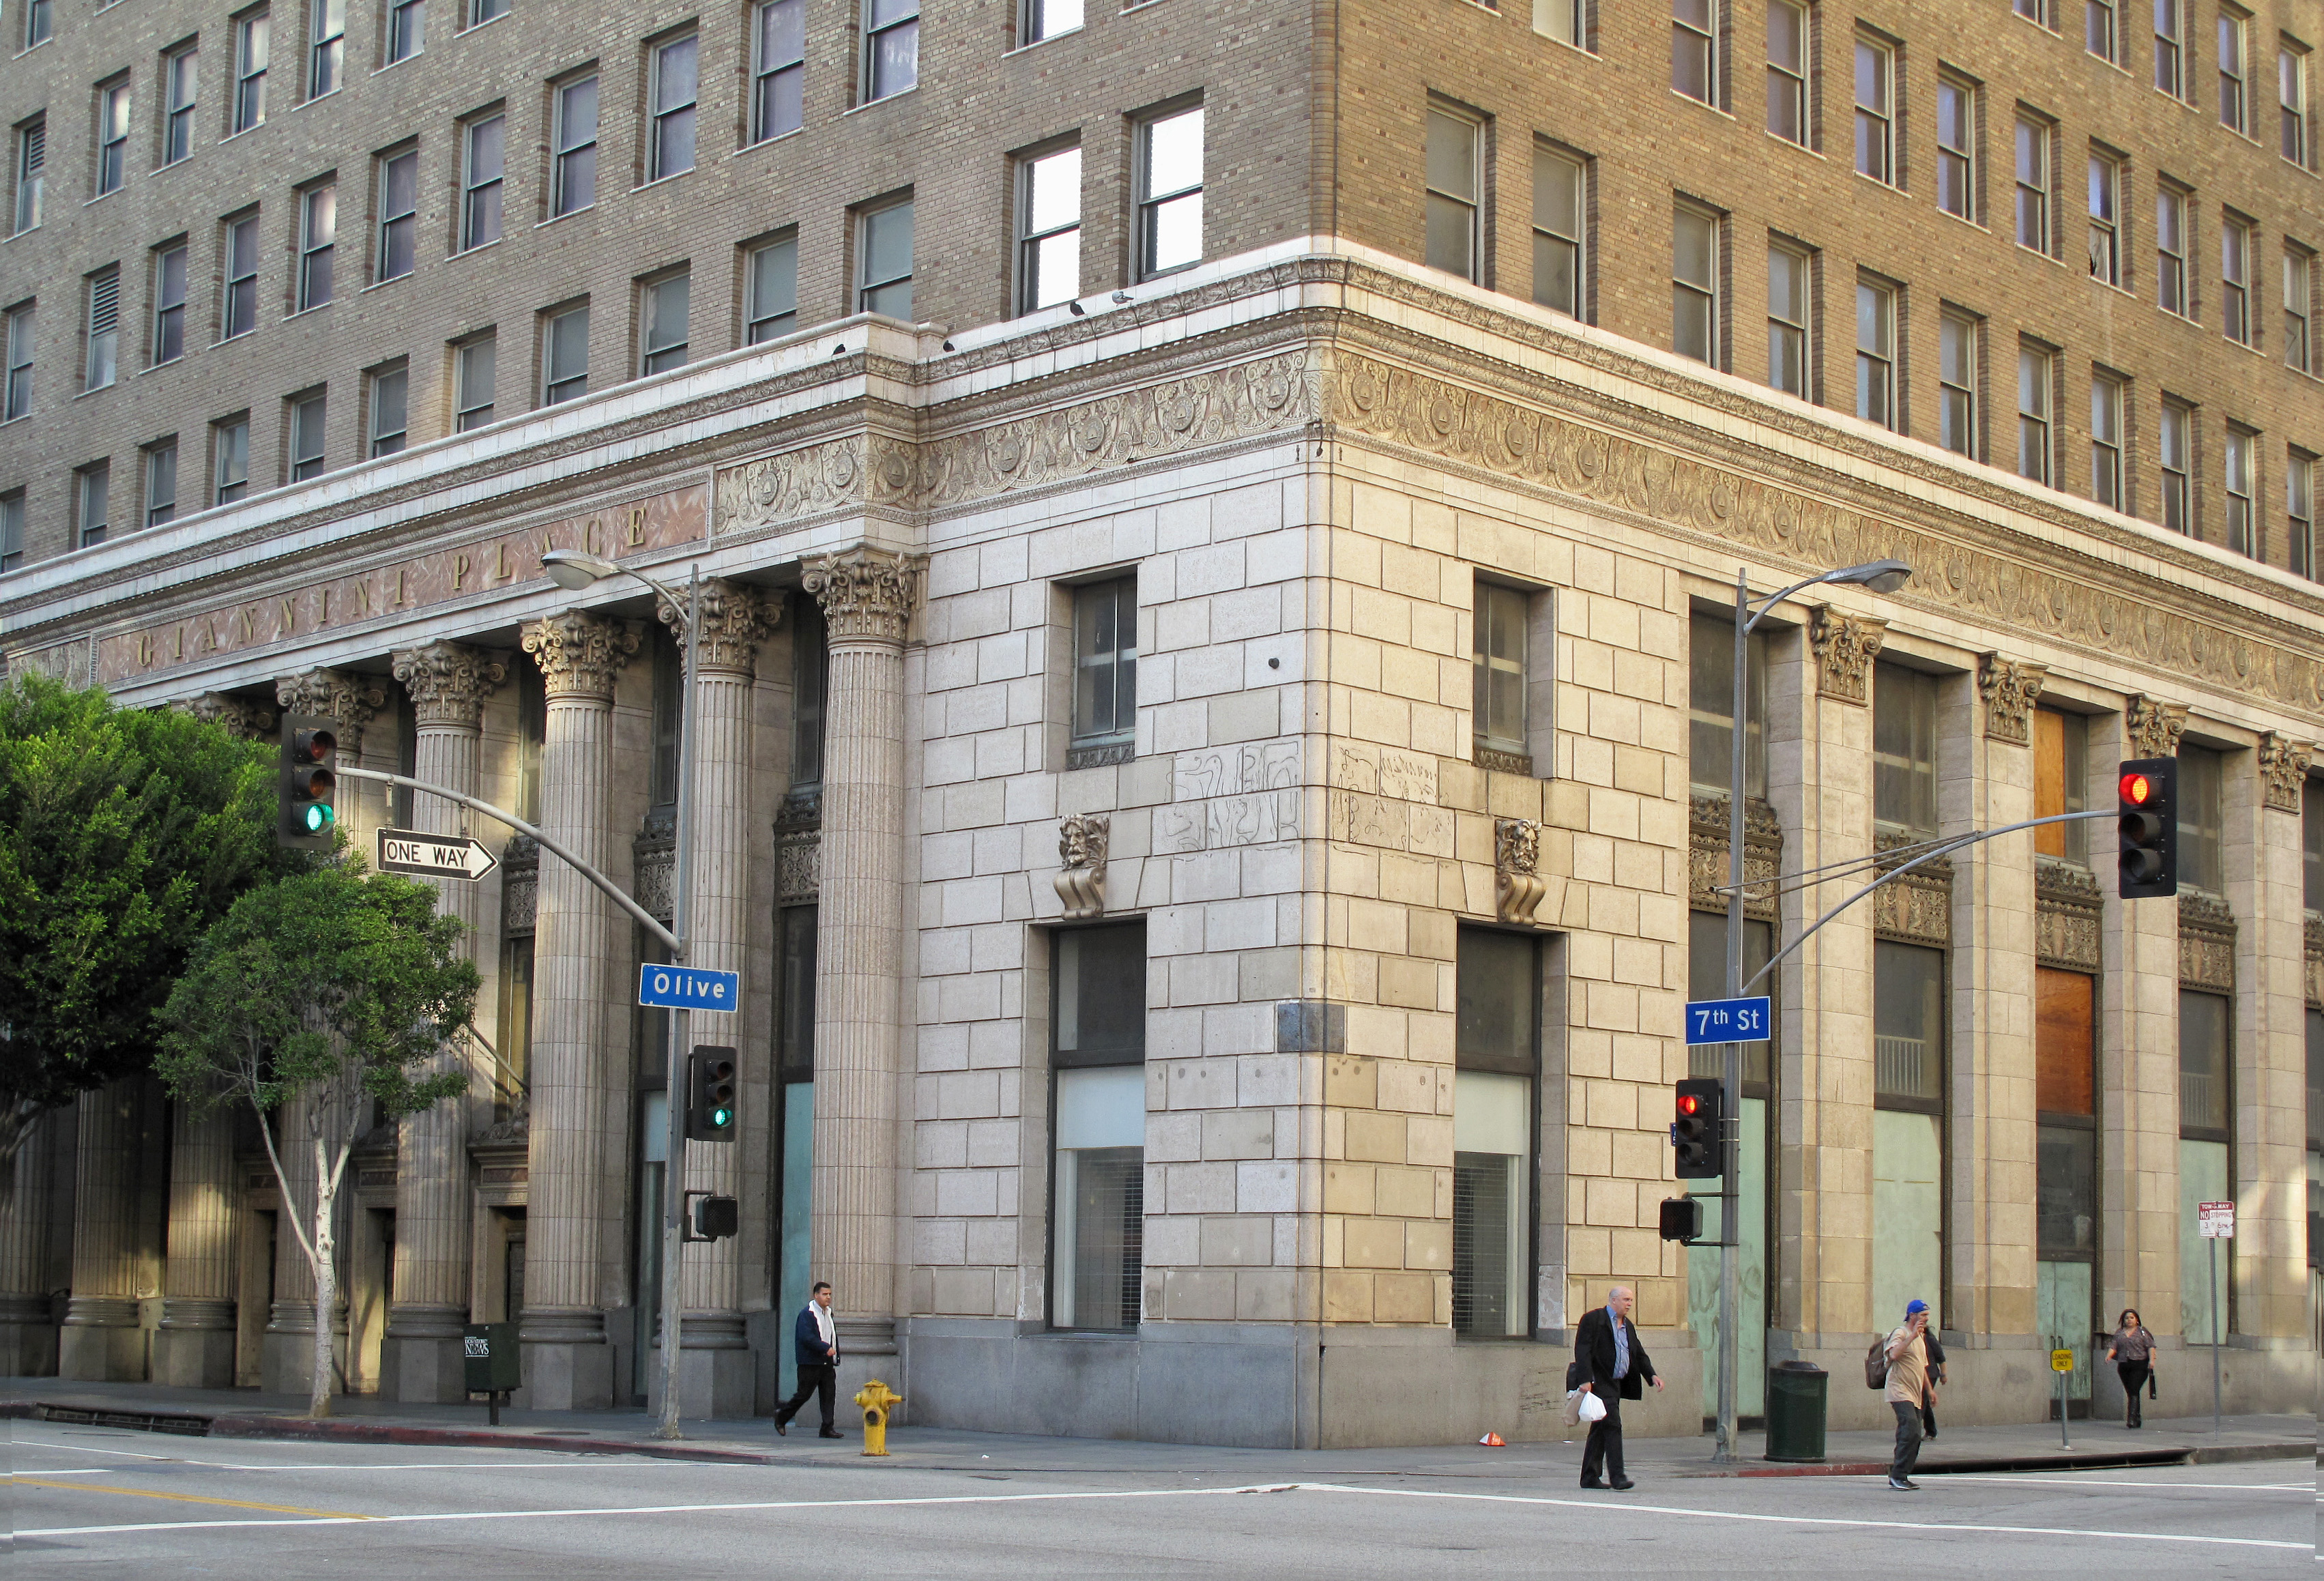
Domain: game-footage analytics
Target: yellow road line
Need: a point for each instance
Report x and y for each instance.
(30, 1482)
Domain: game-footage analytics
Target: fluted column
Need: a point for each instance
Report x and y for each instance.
(429, 1290)
(28, 1334)
(867, 597)
(194, 1346)
(574, 941)
(100, 1339)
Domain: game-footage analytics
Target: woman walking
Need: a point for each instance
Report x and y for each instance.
(2132, 1352)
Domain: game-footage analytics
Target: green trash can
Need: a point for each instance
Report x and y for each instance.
(493, 1362)
(1796, 1411)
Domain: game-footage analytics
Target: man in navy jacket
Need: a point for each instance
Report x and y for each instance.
(816, 1344)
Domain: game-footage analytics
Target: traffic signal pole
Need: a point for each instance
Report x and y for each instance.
(675, 1095)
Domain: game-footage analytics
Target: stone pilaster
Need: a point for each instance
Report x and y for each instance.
(717, 1377)
(28, 1331)
(2262, 849)
(194, 1346)
(421, 1360)
(576, 943)
(101, 1341)
(867, 597)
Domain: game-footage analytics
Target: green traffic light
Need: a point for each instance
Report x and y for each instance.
(722, 1116)
(317, 819)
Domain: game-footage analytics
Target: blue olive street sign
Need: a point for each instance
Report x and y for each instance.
(1727, 1021)
(688, 987)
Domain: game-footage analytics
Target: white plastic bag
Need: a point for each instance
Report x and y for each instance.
(1589, 1408)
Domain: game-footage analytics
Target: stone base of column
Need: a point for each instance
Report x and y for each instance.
(568, 1365)
(718, 1376)
(868, 1350)
(28, 1337)
(194, 1348)
(287, 1354)
(101, 1342)
(420, 1356)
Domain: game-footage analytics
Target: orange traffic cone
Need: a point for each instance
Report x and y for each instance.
(1493, 1441)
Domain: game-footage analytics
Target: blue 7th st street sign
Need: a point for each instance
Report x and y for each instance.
(1727, 1021)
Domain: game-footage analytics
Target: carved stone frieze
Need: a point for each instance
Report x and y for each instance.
(1100, 757)
(735, 619)
(654, 853)
(798, 863)
(1517, 862)
(2314, 957)
(2068, 909)
(1082, 842)
(1503, 762)
(520, 885)
(1917, 908)
(1845, 646)
(1763, 855)
(579, 653)
(244, 717)
(2154, 727)
(2283, 771)
(2008, 688)
(866, 593)
(2207, 942)
(791, 487)
(349, 699)
(448, 683)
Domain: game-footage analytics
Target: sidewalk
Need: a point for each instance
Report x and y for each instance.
(230, 1413)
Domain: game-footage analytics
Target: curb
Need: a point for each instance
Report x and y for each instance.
(2095, 1460)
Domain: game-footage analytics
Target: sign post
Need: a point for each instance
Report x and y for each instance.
(2216, 1222)
(2062, 1365)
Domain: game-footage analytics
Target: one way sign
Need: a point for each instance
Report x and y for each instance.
(434, 855)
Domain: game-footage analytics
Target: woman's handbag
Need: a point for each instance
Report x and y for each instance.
(2150, 1381)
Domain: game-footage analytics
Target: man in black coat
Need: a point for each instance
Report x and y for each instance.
(815, 1347)
(1613, 1366)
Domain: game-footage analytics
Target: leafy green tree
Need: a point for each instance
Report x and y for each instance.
(124, 834)
(320, 999)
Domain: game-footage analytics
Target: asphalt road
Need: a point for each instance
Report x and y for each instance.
(94, 1502)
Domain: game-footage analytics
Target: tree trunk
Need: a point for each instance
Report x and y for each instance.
(327, 1282)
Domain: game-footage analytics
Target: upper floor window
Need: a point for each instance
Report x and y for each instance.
(37, 22)
(884, 275)
(2242, 526)
(308, 415)
(573, 180)
(93, 502)
(1499, 672)
(319, 238)
(32, 162)
(2106, 442)
(1787, 71)
(2298, 298)
(2100, 34)
(2041, 13)
(1046, 19)
(2291, 103)
(664, 306)
(16, 400)
(2299, 525)
(484, 162)
(1957, 360)
(1787, 319)
(168, 303)
(2170, 34)
(2062, 774)
(390, 405)
(1711, 707)
(2173, 442)
(892, 47)
(1876, 353)
(1561, 20)
(2234, 277)
(564, 356)
(327, 42)
(2105, 220)
(1049, 235)
(1903, 752)
(1170, 192)
(112, 137)
(474, 376)
(230, 460)
(778, 69)
(2170, 252)
(1875, 111)
(1694, 50)
(810, 678)
(399, 214)
(1455, 201)
(250, 52)
(481, 12)
(104, 328)
(1957, 147)
(2203, 815)
(238, 311)
(2235, 106)
(1105, 664)
(180, 78)
(2032, 184)
(674, 88)
(1694, 283)
(11, 531)
(1557, 211)
(407, 24)
(771, 306)
(2034, 368)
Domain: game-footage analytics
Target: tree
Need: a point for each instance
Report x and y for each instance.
(124, 834)
(326, 994)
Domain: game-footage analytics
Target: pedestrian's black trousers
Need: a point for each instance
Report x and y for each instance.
(816, 1379)
(1908, 1439)
(2134, 1384)
(1604, 1446)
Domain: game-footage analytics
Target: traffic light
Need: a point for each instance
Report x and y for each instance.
(710, 1095)
(2147, 797)
(1682, 1219)
(308, 792)
(715, 1217)
(1701, 1100)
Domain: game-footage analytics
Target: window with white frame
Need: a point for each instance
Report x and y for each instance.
(1876, 353)
(573, 175)
(229, 460)
(16, 399)
(112, 137)
(1788, 275)
(1106, 672)
(250, 58)
(1694, 49)
(2106, 442)
(892, 47)
(883, 246)
(308, 415)
(2038, 12)
(1957, 362)
(676, 87)
(2299, 512)
(169, 302)
(2242, 526)
(326, 42)
(103, 335)
(2234, 277)
(1098, 1156)
(1558, 206)
(2035, 365)
(2101, 34)
(319, 234)
(2105, 187)
(2299, 299)
(2173, 441)
(1875, 110)
(772, 302)
(1455, 203)
(1694, 283)
(778, 70)
(11, 531)
(481, 12)
(93, 502)
(407, 26)
(1046, 19)
(238, 305)
(662, 313)
(2169, 36)
(1169, 192)
(2291, 103)
(1561, 20)
(2032, 184)
(180, 72)
(398, 215)
(391, 392)
(474, 377)
(1787, 71)
(1499, 672)
(1049, 229)
(38, 23)
(31, 163)
(2170, 252)
(2235, 102)
(1957, 147)
(564, 356)
(484, 162)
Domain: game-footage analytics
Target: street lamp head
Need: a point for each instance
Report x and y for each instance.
(1881, 576)
(573, 570)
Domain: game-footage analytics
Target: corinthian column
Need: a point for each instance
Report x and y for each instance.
(567, 1367)
(716, 1377)
(28, 1333)
(867, 597)
(100, 1339)
(194, 1346)
(429, 1299)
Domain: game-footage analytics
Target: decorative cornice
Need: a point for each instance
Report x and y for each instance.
(350, 701)
(798, 861)
(2154, 727)
(579, 653)
(1763, 855)
(2068, 911)
(1845, 646)
(1496, 761)
(735, 619)
(1082, 842)
(448, 683)
(2207, 942)
(1918, 907)
(866, 593)
(1517, 886)
(244, 717)
(2283, 771)
(2009, 688)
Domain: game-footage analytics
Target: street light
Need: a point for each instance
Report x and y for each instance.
(573, 570)
(1882, 575)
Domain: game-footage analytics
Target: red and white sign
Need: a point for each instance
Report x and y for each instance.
(2216, 1220)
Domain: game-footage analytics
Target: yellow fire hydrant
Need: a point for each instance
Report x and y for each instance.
(877, 1402)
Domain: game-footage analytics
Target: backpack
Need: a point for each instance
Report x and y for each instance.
(1876, 1365)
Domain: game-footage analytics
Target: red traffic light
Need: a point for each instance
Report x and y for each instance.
(2137, 790)
(314, 745)
(1690, 1104)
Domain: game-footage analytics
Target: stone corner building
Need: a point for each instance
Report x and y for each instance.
(1220, 539)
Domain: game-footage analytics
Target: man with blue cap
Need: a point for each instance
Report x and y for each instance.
(1908, 1382)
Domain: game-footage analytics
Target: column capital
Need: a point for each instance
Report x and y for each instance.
(2283, 770)
(1845, 646)
(579, 653)
(735, 619)
(2154, 727)
(866, 593)
(448, 683)
(250, 719)
(334, 694)
(2009, 688)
